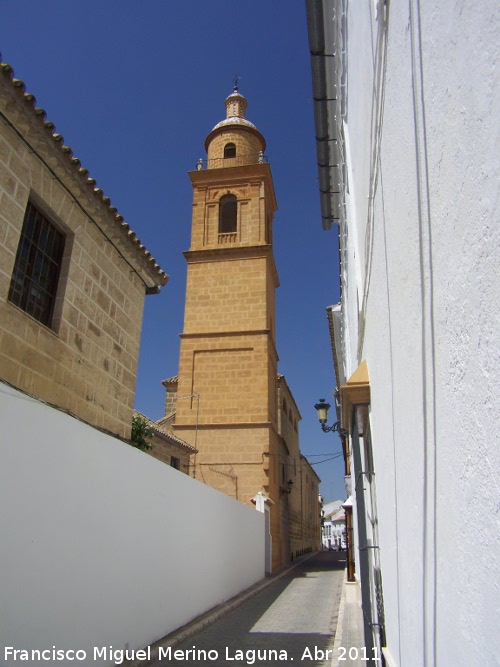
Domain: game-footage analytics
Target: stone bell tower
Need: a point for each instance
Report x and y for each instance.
(227, 381)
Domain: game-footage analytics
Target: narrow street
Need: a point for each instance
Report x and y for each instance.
(292, 619)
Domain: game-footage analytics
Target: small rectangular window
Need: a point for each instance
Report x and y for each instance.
(175, 462)
(37, 267)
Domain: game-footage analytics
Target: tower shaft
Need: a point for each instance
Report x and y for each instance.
(227, 380)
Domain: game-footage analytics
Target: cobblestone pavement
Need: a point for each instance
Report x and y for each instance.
(292, 620)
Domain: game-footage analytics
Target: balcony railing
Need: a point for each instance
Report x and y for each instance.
(227, 238)
(238, 161)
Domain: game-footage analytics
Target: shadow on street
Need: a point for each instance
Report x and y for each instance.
(292, 619)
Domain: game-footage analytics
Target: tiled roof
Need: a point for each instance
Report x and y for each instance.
(67, 153)
(234, 120)
(167, 419)
(338, 515)
(180, 443)
(172, 380)
(166, 435)
(332, 507)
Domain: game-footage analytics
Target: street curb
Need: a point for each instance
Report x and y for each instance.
(185, 632)
(350, 633)
(340, 627)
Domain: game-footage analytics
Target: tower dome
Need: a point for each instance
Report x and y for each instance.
(235, 138)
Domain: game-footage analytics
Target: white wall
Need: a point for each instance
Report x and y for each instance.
(104, 545)
(431, 339)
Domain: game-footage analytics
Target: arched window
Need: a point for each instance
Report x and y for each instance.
(229, 150)
(228, 213)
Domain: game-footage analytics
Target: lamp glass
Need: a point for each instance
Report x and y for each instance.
(322, 409)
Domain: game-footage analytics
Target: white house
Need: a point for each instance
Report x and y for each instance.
(406, 99)
(334, 530)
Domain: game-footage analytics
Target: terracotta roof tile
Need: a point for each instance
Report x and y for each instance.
(166, 435)
(7, 71)
(172, 380)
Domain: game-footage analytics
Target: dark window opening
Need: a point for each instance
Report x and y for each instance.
(228, 211)
(229, 150)
(35, 277)
(175, 462)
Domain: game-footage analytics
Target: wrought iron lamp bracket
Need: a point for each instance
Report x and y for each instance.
(335, 428)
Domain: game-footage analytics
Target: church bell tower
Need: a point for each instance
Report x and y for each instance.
(227, 380)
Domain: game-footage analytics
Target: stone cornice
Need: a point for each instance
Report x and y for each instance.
(225, 334)
(233, 253)
(223, 127)
(219, 425)
(235, 175)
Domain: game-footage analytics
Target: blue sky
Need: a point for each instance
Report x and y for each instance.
(135, 88)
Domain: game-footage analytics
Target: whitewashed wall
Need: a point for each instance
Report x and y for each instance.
(104, 545)
(431, 338)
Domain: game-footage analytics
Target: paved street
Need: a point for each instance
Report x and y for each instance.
(292, 619)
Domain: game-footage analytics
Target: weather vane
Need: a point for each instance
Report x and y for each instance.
(236, 79)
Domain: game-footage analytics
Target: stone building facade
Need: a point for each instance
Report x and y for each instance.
(73, 276)
(299, 504)
(225, 398)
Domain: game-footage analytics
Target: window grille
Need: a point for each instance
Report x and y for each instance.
(37, 267)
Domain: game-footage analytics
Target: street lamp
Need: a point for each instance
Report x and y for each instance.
(322, 409)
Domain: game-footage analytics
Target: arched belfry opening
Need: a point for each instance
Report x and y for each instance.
(229, 150)
(228, 214)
